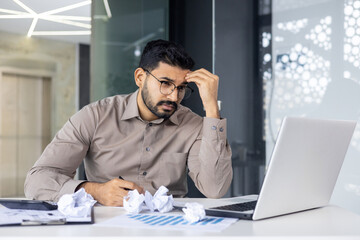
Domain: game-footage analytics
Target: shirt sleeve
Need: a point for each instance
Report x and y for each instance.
(209, 160)
(53, 174)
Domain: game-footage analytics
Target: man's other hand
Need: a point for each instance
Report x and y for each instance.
(111, 193)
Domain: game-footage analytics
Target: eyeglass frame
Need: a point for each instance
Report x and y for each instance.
(177, 87)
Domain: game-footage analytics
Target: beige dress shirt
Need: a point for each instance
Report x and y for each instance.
(114, 141)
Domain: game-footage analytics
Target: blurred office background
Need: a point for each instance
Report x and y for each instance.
(274, 58)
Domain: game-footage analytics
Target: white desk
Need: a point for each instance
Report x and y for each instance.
(330, 222)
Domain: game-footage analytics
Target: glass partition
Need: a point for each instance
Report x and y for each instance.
(121, 29)
(316, 73)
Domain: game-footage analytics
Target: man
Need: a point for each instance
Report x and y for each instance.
(142, 140)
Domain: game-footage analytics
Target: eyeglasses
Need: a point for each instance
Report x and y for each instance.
(167, 87)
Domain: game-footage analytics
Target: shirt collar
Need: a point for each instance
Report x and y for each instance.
(174, 118)
(132, 110)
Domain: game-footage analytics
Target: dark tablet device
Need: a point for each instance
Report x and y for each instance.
(28, 204)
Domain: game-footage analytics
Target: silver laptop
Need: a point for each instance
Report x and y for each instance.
(303, 169)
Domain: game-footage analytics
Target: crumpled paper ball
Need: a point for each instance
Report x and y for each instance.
(134, 202)
(161, 201)
(78, 204)
(194, 212)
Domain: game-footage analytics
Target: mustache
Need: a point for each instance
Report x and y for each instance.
(168, 103)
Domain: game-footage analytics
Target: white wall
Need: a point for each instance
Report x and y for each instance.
(32, 57)
(50, 56)
(316, 73)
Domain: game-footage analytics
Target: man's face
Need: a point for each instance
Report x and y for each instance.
(160, 105)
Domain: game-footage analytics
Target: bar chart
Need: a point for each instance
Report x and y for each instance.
(164, 220)
(171, 222)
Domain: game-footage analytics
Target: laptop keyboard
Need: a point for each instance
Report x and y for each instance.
(240, 207)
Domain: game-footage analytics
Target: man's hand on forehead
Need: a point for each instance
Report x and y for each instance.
(207, 84)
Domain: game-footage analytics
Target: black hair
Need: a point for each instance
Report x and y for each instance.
(167, 52)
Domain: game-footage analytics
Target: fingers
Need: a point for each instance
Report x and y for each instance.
(112, 196)
(118, 197)
(207, 84)
(196, 77)
(202, 70)
(114, 191)
(203, 78)
(129, 185)
(201, 74)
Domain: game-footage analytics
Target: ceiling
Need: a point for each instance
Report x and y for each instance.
(52, 19)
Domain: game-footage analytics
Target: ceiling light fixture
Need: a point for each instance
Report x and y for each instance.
(29, 10)
(12, 12)
(49, 16)
(107, 8)
(76, 18)
(68, 22)
(32, 27)
(16, 16)
(108, 12)
(63, 33)
(67, 8)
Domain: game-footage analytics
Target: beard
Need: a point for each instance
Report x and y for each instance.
(154, 108)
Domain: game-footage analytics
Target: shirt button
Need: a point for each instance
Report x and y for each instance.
(144, 173)
(213, 127)
(150, 124)
(147, 149)
(221, 129)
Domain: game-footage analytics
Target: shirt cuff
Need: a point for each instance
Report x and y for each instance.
(214, 128)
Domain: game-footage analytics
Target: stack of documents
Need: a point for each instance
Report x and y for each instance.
(38, 217)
